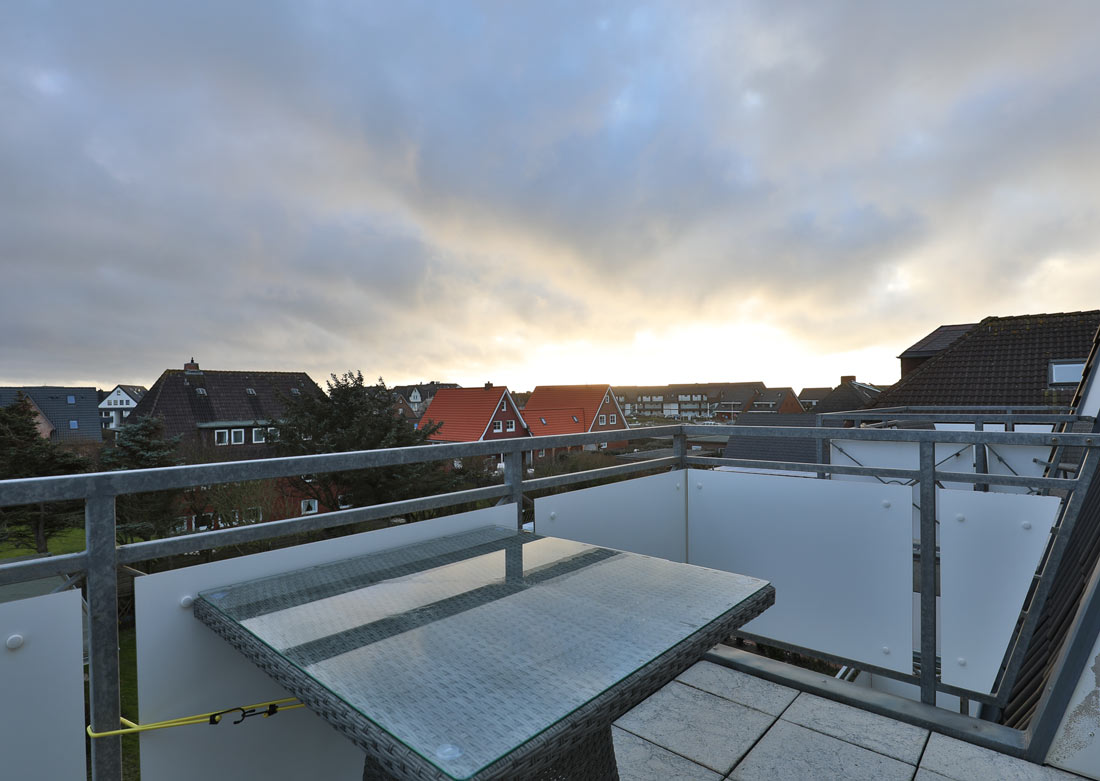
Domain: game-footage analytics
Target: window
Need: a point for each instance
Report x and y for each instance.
(295, 392)
(603, 420)
(74, 424)
(457, 463)
(511, 426)
(250, 391)
(542, 421)
(603, 446)
(542, 454)
(498, 426)
(1066, 372)
(259, 436)
(253, 514)
(221, 436)
(238, 436)
(605, 399)
(612, 420)
(273, 433)
(343, 501)
(503, 406)
(309, 506)
(575, 419)
(200, 391)
(71, 399)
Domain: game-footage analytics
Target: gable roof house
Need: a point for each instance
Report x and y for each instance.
(778, 400)
(116, 404)
(810, 397)
(573, 409)
(65, 414)
(225, 412)
(418, 397)
(850, 394)
(474, 414)
(1022, 360)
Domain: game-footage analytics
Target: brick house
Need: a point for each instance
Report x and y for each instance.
(574, 409)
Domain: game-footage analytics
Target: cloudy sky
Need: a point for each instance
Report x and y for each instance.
(535, 193)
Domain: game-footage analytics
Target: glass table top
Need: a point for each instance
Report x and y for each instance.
(466, 647)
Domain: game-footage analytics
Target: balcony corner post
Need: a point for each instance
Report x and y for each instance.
(513, 477)
(103, 667)
(928, 572)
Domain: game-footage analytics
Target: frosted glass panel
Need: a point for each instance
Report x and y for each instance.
(42, 680)
(990, 545)
(839, 553)
(184, 668)
(646, 515)
(899, 455)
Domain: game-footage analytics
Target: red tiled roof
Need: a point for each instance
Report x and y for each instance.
(558, 421)
(562, 397)
(464, 412)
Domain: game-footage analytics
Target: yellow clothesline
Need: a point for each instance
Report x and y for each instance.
(264, 709)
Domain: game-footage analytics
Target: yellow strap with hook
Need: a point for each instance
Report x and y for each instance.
(269, 708)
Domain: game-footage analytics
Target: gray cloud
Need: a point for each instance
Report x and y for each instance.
(332, 185)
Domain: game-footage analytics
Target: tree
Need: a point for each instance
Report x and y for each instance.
(141, 444)
(24, 453)
(356, 416)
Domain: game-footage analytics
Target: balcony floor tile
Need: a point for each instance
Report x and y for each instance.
(771, 698)
(869, 730)
(640, 760)
(963, 761)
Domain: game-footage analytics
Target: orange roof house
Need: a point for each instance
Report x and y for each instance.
(573, 409)
(474, 414)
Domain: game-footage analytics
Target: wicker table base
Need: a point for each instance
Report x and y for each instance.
(591, 759)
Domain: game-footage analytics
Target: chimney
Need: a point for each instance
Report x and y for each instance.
(846, 378)
(488, 385)
(191, 367)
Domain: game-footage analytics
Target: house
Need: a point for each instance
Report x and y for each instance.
(117, 404)
(933, 344)
(850, 394)
(810, 397)
(688, 401)
(777, 400)
(1021, 360)
(221, 415)
(573, 409)
(418, 397)
(474, 415)
(737, 400)
(65, 414)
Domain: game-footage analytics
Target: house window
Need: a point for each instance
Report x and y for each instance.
(498, 426)
(457, 463)
(605, 399)
(511, 426)
(71, 399)
(503, 406)
(542, 454)
(542, 421)
(221, 436)
(295, 392)
(273, 432)
(200, 391)
(309, 506)
(238, 436)
(1066, 372)
(603, 420)
(612, 420)
(259, 436)
(343, 501)
(253, 514)
(250, 391)
(74, 424)
(575, 419)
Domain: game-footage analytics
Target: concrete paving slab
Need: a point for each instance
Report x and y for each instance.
(640, 760)
(790, 752)
(963, 761)
(869, 730)
(703, 727)
(771, 698)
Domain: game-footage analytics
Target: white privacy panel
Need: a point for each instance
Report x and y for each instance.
(1076, 747)
(990, 545)
(42, 680)
(840, 556)
(1015, 460)
(646, 516)
(184, 668)
(898, 455)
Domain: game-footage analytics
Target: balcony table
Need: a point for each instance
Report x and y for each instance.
(487, 654)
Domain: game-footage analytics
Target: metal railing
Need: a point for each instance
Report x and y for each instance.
(103, 557)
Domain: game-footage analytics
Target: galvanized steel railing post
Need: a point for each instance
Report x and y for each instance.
(679, 448)
(103, 675)
(513, 476)
(928, 572)
(981, 465)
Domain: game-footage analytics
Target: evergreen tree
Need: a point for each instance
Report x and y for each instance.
(141, 444)
(25, 453)
(356, 416)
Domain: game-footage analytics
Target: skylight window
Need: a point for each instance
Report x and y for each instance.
(295, 392)
(542, 421)
(200, 391)
(575, 419)
(1066, 372)
(250, 391)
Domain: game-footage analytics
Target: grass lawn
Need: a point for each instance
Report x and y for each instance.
(68, 541)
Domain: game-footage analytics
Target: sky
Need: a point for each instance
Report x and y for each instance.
(537, 193)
